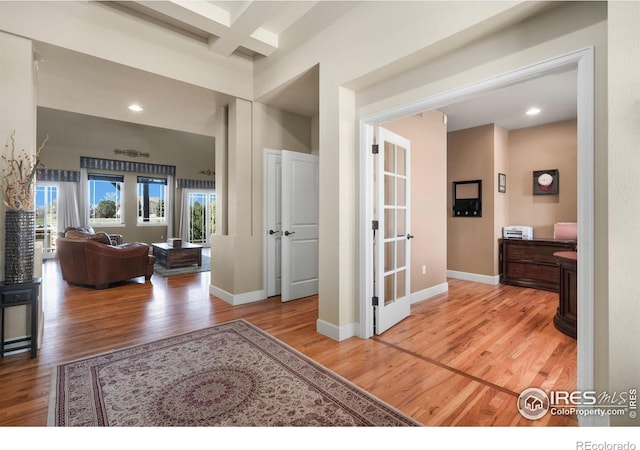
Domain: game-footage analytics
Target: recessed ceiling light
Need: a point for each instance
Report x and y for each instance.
(533, 111)
(136, 108)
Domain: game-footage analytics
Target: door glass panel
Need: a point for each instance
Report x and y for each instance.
(400, 284)
(389, 223)
(400, 246)
(401, 184)
(400, 222)
(389, 190)
(400, 161)
(389, 256)
(389, 289)
(389, 157)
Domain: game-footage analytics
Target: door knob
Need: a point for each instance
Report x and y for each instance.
(287, 233)
(409, 236)
(272, 232)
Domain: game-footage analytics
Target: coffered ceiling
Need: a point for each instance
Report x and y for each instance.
(252, 30)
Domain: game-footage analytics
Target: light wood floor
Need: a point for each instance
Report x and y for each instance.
(461, 358)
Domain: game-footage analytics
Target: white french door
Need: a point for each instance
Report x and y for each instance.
(47, 217)
(291, 221)
(392, 240)
(201, 217)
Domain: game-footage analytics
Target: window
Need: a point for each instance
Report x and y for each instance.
(152, 198)
(47, 217)
(105, 199)
(202, 217)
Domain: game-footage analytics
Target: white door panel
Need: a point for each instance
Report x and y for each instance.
(392, 244)
(299, 225)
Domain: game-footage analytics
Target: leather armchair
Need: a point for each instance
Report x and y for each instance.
(116, 239)
(86, 261)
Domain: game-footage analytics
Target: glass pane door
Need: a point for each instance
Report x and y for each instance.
(392, 241)
(202, 217)
(47, 218)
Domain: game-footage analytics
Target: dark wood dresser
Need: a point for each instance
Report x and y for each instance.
(566, 318)
(530, 262)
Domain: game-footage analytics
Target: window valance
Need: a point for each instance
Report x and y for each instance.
(196, 184)
(126, 166)
(70, 176)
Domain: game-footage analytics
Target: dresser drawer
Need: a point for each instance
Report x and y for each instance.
(542, 254)
(535, 272)
(17, 296)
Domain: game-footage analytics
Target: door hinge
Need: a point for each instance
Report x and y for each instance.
(374, 301)
(374, 225)
(375, 149)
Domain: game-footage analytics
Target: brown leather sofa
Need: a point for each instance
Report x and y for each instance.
(89, 259)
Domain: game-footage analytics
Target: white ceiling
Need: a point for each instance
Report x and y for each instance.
(252, 29)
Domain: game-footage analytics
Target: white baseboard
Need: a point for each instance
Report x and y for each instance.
(334, 332)
(429, 292)
(486, 279)
(237, 299)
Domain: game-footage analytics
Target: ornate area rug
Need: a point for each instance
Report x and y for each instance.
(233, 374)
(164, 272)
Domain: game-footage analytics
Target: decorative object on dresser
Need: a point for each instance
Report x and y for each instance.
(566, 318)
(174, 242)
(530, 263)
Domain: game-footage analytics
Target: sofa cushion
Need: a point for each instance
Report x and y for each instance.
(100, 236)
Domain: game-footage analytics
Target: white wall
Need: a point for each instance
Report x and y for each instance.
(17, 112)
(102, 31)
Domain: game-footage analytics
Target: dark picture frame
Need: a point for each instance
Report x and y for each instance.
(502, 183)
(546, 182)
(467, 198)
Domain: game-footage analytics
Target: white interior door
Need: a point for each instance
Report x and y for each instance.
(299, 225)
(273, 221)
(392, 242)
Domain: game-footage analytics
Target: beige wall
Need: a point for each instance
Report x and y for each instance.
(237, 256)
(17, 113)
(500, 199)
(552, 146)
(470, 156)
(428, 196)
(623, 165)
(482, 153)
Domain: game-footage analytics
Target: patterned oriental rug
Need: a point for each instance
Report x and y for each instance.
(233, 374)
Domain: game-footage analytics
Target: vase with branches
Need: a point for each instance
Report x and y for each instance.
(19, 175)
(18, 172)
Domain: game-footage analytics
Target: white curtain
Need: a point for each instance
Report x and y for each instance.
(171, 189)
(83, 186)
(68, 213)
(184, 215)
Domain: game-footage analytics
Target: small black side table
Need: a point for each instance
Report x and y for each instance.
(16, 295)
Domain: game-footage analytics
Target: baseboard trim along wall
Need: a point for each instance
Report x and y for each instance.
(478, 278)
(429, 292)
(335, 332)
(237, 299)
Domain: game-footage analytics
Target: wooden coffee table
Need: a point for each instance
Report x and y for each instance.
(185, 255)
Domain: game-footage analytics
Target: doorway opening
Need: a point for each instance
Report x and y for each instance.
(582, 61)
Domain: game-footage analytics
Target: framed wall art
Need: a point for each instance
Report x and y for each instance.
(546, 182)
(502, 183)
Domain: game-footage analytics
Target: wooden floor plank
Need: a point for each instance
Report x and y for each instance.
(460, 359)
